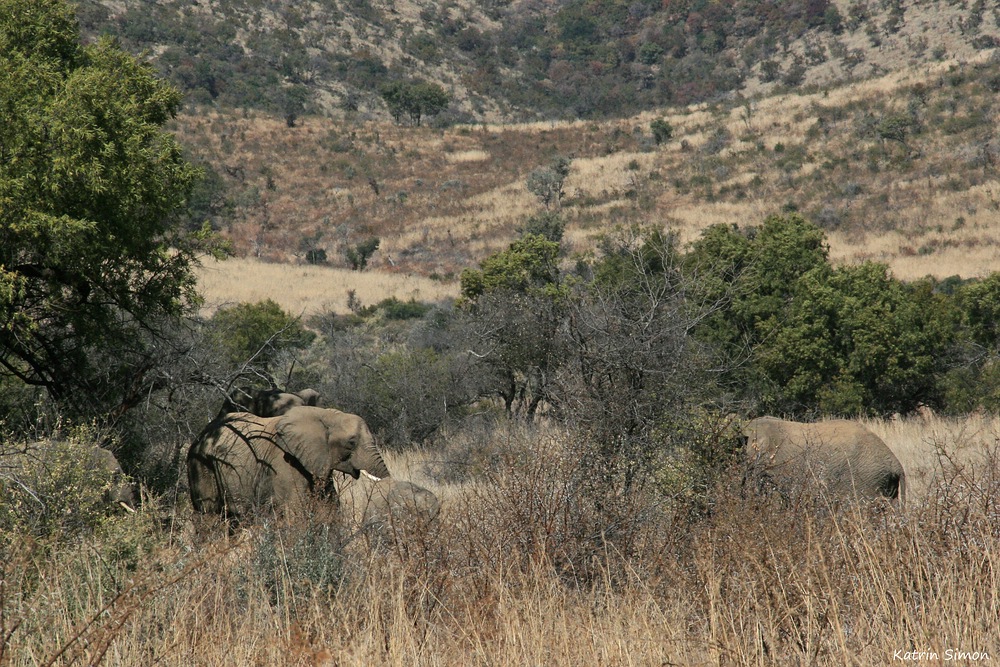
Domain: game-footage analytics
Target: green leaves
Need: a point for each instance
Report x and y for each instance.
(89, 185)
(528, 266)
(414, 99)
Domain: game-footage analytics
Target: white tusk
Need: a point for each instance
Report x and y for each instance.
(371, 476)
(126, 506)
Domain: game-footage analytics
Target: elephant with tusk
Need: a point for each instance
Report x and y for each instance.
(243, 463)
(843, 456)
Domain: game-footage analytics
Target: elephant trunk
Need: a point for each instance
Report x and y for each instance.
(368, 459)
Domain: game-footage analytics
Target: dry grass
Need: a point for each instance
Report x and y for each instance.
(307, 290)
(511, 574)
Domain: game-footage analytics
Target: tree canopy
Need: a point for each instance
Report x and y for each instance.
(90, 260)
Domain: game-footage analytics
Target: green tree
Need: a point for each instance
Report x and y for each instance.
(252, 335)
(855, 341)
(414, 100)
(662, 130)
(358, 254)
(90, 260)
(515, 304)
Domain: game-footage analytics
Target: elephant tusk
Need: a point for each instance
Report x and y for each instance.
(371, 476)
(128, 508)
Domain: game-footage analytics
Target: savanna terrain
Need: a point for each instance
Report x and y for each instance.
(924, 202)
(633, 227)
(523, 566)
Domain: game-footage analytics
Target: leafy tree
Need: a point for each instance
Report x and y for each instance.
(662, 130)
(857, 341)
(546, 183)
(414, 99)
(358, 254)
(515, 304)
(528, 266)
(806, 338)
(90, 262)
(252, 335)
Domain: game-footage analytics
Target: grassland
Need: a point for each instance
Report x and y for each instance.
(521, 568)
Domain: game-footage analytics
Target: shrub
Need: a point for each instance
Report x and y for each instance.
(52, 487)
(662, 131)
(255, 333)
(358, 254)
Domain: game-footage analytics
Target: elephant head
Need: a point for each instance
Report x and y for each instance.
(119, 491)
(842, 456)
(274, 402)
(242, 462)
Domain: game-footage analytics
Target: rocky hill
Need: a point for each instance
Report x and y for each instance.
(504, 60)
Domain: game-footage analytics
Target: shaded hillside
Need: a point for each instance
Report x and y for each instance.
(901, 168)
(527, 59)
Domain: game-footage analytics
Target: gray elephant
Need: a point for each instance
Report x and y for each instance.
(120, 490)
(267, 402)
(49, 457)
(243, 463)
(391, 499)
(843, 456)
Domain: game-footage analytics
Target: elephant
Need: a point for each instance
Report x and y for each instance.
(267, 402)
(845, 458)
(389, 499)
(120, 491)
(243, 463)
(99, 464)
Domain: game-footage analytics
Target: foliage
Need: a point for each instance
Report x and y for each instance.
(662, 130)
(528, 266)
(548, 224)
(253, 334)
(415, 100)
(856, 340)
(51, 488)
(89, 185)
(546, 183)
(407, 395)
(358, 254)
(814, 339)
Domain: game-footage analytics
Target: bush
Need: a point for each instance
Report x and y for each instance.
(359, 254)
(52, 488)
(255, 333)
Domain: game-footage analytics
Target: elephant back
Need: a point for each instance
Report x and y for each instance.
(841, 454)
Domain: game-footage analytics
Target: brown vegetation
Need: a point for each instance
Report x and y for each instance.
(441, 200)
(530, 564)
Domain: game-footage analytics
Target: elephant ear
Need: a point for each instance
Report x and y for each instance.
(323, 440)
(303, 435)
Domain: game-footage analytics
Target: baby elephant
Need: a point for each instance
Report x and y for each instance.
(842, 456)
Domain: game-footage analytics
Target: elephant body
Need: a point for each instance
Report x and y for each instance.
(243, 463)
(120, 491)
(842, 456)
(389, 499)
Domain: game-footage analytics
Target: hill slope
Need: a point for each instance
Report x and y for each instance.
(900, 168)
(530, 59)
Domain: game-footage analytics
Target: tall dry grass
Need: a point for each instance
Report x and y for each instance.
(309, 289)
(531, 563)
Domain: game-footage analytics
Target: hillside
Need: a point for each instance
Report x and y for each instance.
(900, 168)
(518, 60)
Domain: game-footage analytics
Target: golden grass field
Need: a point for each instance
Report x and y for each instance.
(307, 290)
(511, 574)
